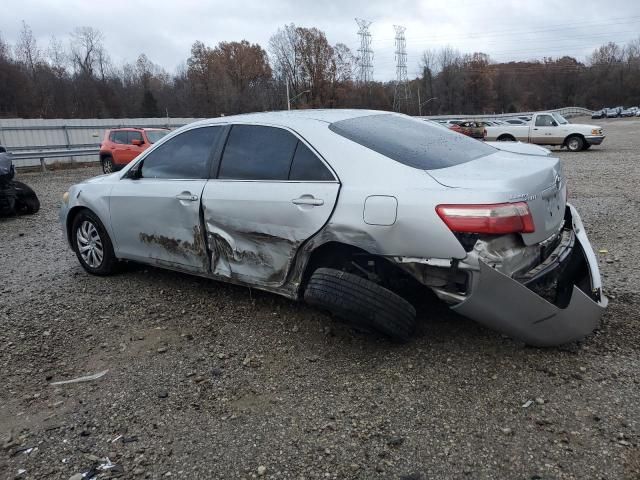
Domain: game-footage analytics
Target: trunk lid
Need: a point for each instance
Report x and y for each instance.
(539, 181)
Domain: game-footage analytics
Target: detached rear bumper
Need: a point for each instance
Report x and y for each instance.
(594, 139)
(504, 304)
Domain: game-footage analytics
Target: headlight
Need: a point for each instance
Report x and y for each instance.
(65, 197)
(595, 131)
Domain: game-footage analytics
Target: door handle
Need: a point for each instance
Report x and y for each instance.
(308, 200)
(535, 128)
(187, 197)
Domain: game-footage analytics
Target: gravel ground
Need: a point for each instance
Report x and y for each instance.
(208, 380)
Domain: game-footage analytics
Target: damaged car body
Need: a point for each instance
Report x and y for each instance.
(339, 208)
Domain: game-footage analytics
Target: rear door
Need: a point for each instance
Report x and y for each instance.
(272, 192)
(155, 215)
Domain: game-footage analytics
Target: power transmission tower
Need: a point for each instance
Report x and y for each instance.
(402, 94)
(365, 72)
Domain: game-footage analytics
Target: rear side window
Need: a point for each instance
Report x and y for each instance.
(119, 136)
(184, 156)
(256, 152)
(308, 167)
(411, 142)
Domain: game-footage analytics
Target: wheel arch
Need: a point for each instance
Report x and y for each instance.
(575, 134)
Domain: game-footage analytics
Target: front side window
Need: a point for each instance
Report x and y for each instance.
(410, 141)
(134, 136)
(184, 156)
(544, 121)
(255, 152)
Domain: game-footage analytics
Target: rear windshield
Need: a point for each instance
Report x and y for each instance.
(411, 142)
(155, 135)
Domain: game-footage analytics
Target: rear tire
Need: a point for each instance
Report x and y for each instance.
(506, 138)
(361, 303)
(107, 164)
(89, 235)
(26, 199)
(574, 143)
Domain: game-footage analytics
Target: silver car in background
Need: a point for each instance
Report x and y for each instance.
(345, 208)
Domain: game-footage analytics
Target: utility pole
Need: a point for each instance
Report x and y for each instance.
(288, 99)
(401, 94)
(365, 70)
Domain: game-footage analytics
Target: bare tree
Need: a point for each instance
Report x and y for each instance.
(87, 52)
(27, 51)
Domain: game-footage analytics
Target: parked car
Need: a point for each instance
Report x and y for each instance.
(121, 145)
(515, 121)
(598, 114)
(278, 201)
(629, 112)
(473, 129)
(613, 112)
(550, 129)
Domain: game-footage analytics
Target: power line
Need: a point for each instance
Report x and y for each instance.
(365, 74)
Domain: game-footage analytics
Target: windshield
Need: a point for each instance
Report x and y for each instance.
(412, 142)
(560, 119)
(155, 135)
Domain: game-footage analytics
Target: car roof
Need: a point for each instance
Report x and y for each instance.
(290, 118)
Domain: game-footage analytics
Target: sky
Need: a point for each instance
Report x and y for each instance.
(165, 30)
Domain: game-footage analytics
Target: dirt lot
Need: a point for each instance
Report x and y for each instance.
(207, 380)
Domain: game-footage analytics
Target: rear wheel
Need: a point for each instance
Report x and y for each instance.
(506, 138)
(26, 199)
(107, 164)
(92, 244)
(574, 143)
(361, 303)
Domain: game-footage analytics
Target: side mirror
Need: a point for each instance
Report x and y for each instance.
(135, 173)
(554, 124)
(136, 142)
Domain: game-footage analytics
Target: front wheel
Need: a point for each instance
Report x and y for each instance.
(92, 244)
(574, 143)
(362, 303)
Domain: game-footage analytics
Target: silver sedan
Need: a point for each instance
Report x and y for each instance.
(345, 209)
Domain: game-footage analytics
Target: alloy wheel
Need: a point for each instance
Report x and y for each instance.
(89, 244)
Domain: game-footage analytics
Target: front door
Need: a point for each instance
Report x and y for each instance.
(155, 211)
(272, 193)
(545, 131)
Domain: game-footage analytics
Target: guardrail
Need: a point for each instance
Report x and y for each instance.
(53, 153)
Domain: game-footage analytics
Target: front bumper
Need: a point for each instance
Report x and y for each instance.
(594, 139)
(504, 304)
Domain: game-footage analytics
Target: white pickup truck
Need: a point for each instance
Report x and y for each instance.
(549, 129)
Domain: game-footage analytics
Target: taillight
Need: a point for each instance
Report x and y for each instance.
(499, 218)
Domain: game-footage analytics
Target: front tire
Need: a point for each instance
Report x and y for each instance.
(107, 164)
(92, 244)
(362, 303)
(574, 143)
